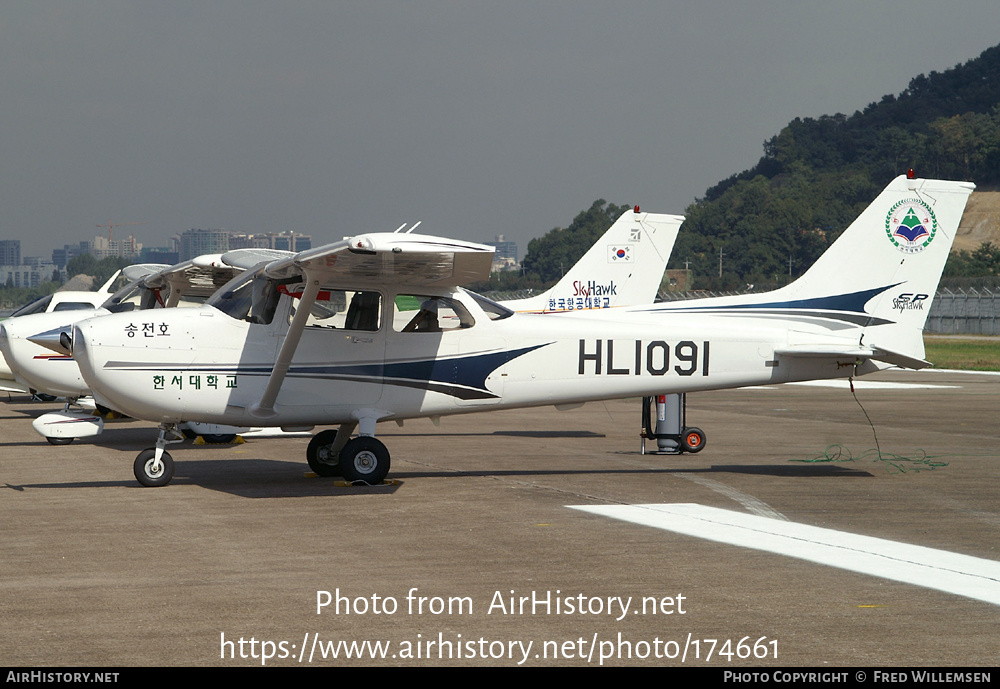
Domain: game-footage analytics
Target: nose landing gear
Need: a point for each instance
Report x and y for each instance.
(154, 466)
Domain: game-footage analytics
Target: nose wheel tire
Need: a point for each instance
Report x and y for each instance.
(320, 455)
(58, 441)
(148, 473)
(364, 459)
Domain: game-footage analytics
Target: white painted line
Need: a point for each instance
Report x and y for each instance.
(870, 385)
(962, 575)
(960, 370)
(844, 384)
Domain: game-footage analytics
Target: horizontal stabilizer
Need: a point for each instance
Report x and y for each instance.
(901, 360)
(858, 353)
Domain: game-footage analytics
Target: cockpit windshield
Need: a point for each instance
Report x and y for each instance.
(37, 306)
(133, 297)
(250, 296)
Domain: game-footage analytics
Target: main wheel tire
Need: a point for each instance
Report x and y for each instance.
(59, 441)
(146, 475)
(693, 440)
(320, 455)
(219, 438)
(364, 459)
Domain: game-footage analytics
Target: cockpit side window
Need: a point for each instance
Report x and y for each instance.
(133, 296)
(494, 310)
(235, 297)
(264, 301)
(416, 313)
(346, 310)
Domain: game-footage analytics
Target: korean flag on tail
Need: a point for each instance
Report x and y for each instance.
(620, 253)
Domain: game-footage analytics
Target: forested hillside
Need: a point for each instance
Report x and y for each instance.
(772, 221)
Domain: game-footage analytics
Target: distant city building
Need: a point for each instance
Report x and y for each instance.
(290, 241)
(60, 257)
(504, 254)
(26, 275)
(102, 247)
(29, 272)
(249, 241)
(284, 241)
(196, 242)
(159, 254)
(15, 276)
(10, 252)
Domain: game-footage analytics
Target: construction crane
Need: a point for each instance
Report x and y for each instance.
(111, 225)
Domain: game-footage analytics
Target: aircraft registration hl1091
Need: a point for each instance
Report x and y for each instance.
(412, 343)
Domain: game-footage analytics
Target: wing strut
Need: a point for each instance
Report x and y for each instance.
(265, 408)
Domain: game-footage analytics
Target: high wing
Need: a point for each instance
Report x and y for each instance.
(198, 276)
(137, 271)
(390, 258)
(413, 260)
(245, 259)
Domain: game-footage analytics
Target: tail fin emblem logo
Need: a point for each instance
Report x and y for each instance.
(911, 225)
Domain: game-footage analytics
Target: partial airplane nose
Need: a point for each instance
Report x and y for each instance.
(59, 340)
(5, 373)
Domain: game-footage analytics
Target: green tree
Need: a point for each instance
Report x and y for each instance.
(101, 270)
(549, 256)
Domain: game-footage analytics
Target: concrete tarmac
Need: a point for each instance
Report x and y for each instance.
(473, 553)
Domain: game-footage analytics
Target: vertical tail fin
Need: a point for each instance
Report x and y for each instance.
(889, 261)
(874, 284)
(623, 268)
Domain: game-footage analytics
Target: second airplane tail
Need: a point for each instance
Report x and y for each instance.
(623, 268)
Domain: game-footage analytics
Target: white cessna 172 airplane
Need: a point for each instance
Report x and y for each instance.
(26, 341)
(611, 273)
(68, 300)
(413, 344)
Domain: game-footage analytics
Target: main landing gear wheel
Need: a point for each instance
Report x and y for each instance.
(364, 459)
(148, 473)
(320, 455)
(219, 438)
(693, 440)
(59, 441)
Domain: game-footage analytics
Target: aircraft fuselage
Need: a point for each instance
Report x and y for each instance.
(203, 365)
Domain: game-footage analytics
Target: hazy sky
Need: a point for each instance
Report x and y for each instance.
(478, 118)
